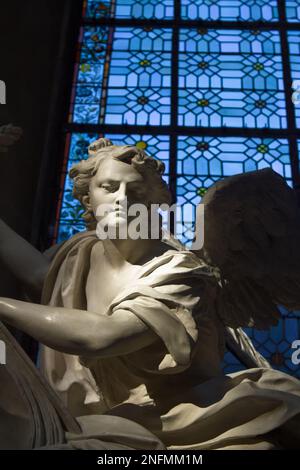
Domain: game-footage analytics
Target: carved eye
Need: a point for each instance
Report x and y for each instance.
(109, 187)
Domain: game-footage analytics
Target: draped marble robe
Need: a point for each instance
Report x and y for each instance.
(173, 388)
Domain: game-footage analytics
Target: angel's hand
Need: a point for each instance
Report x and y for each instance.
(9, 135)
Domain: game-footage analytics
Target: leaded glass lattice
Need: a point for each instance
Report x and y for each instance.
(230, 10)
(211, 87)
(276, 344)
(133, 88)
(230, 78)
(294, 45)
(140, 9)
(293, 10)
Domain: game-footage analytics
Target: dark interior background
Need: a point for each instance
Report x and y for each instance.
(36, 67)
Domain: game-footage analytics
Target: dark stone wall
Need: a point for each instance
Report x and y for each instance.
(29, 45)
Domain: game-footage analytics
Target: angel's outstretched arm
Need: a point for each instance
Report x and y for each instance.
(78, 332)
(22, 259)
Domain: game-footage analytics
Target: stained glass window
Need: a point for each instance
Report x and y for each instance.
(142, 9)
(294, 47)
(211, 87)
(230, 78)
(234, 10)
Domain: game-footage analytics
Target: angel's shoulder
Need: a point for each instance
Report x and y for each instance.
(184, 263)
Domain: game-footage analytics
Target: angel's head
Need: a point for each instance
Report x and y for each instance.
(114, 173)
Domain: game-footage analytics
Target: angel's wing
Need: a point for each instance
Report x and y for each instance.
(251, 235)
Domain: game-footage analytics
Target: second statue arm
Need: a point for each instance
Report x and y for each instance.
(23, 260)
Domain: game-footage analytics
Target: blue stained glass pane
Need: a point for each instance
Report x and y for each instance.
(138, 106)
(86, 114)
(291, 329)
(89, 73)
(92, 48)
(230, 10)
(142, 39)
(79, 147)
(238, 153)
(140, 66)
(131, 64)
(261, 336)
(288, 313)
(217, 108)
(70, 221)
(92, 38)
(140, 69)
(98, 8)
(87, 94)
(229, 41)
(164, 9)
(71, 210)
(231, 364)
(189, 193)
(294, 42)
(228, 78)
(276, 344)
(292, 10)
(295, 68)
(294, 46)
(203, 160)
(230, 71)
(143, 9)
(68, 229)
(296, 99)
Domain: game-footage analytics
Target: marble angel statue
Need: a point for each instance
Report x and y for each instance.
(134, 330)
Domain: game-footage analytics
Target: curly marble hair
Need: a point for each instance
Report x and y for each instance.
(150, 168)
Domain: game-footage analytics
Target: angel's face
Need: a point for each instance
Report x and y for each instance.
(115, 187)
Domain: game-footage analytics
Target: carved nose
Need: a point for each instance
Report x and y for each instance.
(121, 194)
